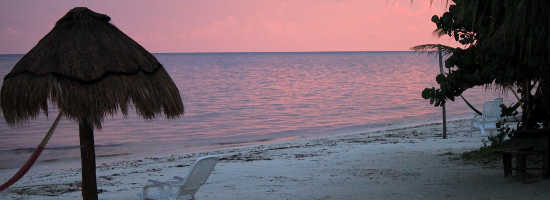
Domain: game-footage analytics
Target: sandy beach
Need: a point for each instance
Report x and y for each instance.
(405, 163)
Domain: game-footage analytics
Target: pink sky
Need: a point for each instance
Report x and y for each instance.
(238, 25)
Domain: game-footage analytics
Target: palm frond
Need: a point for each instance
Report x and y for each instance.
(433, 48)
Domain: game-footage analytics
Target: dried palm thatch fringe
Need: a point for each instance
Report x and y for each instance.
(89, 69)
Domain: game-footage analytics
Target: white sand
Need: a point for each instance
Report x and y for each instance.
(409, 163)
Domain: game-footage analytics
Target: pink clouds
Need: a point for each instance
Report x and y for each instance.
(243, 25)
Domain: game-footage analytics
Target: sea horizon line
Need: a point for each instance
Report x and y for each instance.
(255, 52)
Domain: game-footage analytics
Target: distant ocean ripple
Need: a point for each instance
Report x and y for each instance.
(238, 98)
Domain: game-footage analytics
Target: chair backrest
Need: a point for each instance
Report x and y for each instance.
(491, 109)
(200, 171)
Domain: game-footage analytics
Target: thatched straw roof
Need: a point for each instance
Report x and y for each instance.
(89, 69)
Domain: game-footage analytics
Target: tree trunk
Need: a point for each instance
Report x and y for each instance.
(87, 155)
(444, 113)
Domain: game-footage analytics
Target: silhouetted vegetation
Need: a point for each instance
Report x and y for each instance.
(507, 47)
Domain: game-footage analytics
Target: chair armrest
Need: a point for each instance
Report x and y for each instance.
(164, 187)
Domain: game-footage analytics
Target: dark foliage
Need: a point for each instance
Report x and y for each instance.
(507, 45)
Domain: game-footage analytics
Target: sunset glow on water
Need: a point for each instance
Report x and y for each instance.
(243, 98)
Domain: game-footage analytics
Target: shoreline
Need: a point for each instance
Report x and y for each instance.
(111, 152)
(406, 163)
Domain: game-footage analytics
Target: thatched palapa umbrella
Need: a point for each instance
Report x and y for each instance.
(89, 69)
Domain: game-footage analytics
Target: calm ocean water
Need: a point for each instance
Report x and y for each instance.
(241, 98)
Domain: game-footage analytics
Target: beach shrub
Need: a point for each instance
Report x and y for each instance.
(505, 129)
(485, 154)
(504, 132)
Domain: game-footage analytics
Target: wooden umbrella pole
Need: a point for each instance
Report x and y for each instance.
(87, 156)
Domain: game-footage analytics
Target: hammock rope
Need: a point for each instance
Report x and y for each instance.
(23, 170)
(471, 106)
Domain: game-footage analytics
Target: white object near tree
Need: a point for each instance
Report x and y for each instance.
(181, 188)
(486, 122)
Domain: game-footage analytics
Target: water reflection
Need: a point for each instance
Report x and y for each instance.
(232, 98)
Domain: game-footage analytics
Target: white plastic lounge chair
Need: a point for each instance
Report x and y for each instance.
(487, 121)
(181, 188)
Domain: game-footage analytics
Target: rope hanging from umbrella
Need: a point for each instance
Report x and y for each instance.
(34, 156)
